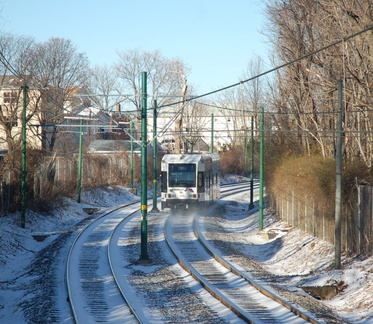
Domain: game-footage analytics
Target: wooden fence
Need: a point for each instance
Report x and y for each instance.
(58, 176)
(306, 214)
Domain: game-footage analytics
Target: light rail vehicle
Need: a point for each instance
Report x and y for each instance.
(189, 179)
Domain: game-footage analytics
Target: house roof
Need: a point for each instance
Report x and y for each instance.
(118, 146)
(14, 82)
(88, 111)
(112, 146)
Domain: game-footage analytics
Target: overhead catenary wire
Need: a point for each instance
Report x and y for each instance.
(168, 125)
(273, 70)
(272, 131)
(11, 68)
(8, 65)
(187, 99)
(277, 67)
(223, 108)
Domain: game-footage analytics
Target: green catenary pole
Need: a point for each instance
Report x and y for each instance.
(245, 154)
(23, 159)
(80, 160)
(144, 188)
(131, 160)
(251, 206)
(338, 189)
(212, 134)
(261, 176)
(155, 208)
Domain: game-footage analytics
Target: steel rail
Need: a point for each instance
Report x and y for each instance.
(68, 263)
(232, 268)
(138, 313)
(187, 266)
(202, 281)
(129, 304)
(236, 188)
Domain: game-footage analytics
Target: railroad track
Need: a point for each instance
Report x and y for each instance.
(97, 291)
(230, 189)
(94, 294)
(248, 299)
(100, 273)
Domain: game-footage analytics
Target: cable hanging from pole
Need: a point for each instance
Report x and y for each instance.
(275, 68)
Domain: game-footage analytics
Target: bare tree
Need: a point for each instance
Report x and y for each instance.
(166, 77)
(13, 51)
(60, 71)
(179, 119)
(196, 122)
(255, 88)
(235, 107)
(308, 88)
(105, 87)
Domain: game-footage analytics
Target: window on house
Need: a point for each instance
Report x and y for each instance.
(10, 97)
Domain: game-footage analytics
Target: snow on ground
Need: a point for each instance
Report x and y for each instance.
(19, 249)
(309, 261)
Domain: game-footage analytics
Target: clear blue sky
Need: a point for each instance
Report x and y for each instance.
(215, 38)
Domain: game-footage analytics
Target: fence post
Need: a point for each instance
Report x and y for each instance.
(338, 181)
(292, 207)
(80, 161)
(2, 196)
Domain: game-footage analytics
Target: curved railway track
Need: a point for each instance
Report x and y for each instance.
(236, 290)
(100, 289)
(243, 295)
(93, 292)
(231, 189)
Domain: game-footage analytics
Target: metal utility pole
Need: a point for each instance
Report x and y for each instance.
(132, 157)
(23, 159)
(212, 134)
(245, 154)
(155, 208)
(338, 181)
(251, 206)
(80, 160)
(179, 119)
(144, 196)
(261, 171)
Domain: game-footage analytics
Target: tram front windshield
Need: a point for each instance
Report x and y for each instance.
(182, 175)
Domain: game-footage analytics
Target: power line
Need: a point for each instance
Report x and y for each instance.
(186, 99)
(282, 113)
(276, 68)
(8, 65)
(273, 131)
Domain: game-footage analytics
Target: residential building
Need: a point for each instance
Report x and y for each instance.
(12, 104)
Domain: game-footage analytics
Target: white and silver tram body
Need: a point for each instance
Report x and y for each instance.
(189, 179)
